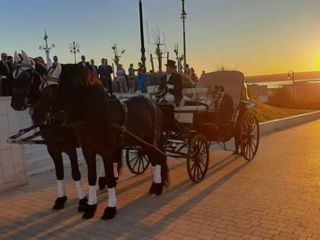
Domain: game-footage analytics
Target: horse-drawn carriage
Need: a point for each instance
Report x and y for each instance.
(102, 125)
(192, 128)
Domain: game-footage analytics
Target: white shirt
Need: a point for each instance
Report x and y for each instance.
(168, 76)
(55, 72)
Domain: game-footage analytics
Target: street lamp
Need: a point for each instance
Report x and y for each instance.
(46, 47)
(74, 49)
(291, 75)
(183, 16)
(143, 56)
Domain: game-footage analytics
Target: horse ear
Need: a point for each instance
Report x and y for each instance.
(16, 57)
(24, 57)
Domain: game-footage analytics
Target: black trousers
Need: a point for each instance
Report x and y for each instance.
(107, 83)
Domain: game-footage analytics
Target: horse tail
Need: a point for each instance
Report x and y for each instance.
(119, 163)
(161, 138)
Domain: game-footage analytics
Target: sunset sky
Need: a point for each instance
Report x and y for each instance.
(253, 36)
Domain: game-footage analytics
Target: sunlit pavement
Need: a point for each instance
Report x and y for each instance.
(276, 196)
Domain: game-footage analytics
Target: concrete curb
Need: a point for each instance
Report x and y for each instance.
(288, 122)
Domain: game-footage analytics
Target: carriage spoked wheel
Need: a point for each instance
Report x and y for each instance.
(198, 158)
(249, 136)
(137, 161)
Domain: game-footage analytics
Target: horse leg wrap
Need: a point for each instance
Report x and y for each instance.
(156, 187)
(60, 189)
(92, 195)
(112, 198)
(156, 173)
(80, 192)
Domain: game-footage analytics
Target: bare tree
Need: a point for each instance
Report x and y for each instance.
(179, 58)
(117, 54)
(160, 48)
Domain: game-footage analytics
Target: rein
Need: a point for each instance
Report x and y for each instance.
(125, 131)
(18, 139)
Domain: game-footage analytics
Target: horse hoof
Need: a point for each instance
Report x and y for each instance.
(102, 183)
(109, 213)
(82, 204)
(59, 203)
(156, 188)
(89, 211)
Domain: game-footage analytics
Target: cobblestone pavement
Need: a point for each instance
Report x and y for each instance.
(276, 196)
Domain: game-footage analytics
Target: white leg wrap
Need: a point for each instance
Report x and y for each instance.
(112, 198)
(115, 170)
(80, 192)
(156, 173)
(92, 195)
(102, 172)
(60, 188)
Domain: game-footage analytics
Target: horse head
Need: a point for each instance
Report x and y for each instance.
(24, 80)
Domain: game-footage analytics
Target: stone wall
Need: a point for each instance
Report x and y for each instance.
(12, 159)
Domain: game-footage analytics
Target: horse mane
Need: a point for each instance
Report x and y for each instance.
(82, 93)
(73, 75)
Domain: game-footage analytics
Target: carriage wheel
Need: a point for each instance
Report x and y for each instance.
(137, 161)
(249, 136)
(198, 158)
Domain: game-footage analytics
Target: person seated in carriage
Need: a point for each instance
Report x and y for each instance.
(54, 71)
(49, 72)
(222, 104)
(171, 85)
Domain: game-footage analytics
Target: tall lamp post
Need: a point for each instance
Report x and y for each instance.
(291, 76)
(183, 17)
(46, 47)
(143, 50)
(74, 49)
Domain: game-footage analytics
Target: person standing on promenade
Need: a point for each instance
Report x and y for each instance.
(121, 78)
(141, 77)
(132, 78)
(4, 76)
(105, 72)
(93, 68)
(83, 62)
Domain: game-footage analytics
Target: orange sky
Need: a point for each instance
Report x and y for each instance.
(253, 36)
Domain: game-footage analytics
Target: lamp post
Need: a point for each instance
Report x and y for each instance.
(46, 47)
(74, 49)
(183, 17)
(291, 75)
(143, 55)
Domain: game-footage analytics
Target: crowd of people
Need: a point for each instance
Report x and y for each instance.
(113, 79)
(118, 79)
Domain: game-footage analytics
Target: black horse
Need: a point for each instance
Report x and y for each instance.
(45, 110)
(98, 121)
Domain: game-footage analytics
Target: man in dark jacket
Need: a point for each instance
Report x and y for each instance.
(105, 72)
(223, 104)
(5, 76)
(172, 84)
(83, 62)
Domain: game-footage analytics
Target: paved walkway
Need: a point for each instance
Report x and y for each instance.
(276, 196)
